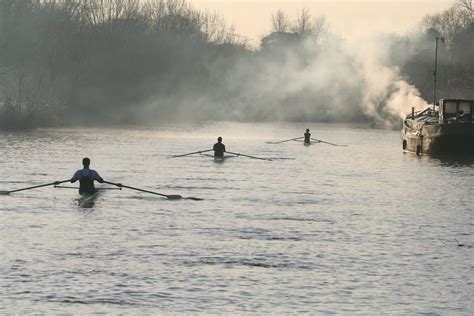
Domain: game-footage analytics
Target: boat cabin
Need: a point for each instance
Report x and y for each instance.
(456, 111)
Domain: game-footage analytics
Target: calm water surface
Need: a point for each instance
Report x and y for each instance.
(359, 229)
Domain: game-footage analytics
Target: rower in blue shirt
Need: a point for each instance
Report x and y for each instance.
(86, 178)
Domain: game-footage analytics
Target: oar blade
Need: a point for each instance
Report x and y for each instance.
(4, 192)
(174, 197)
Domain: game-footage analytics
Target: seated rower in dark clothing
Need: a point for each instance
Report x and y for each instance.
(307, 136)
(219, 148)
(86, 178)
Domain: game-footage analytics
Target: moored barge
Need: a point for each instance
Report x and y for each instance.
(446, 130)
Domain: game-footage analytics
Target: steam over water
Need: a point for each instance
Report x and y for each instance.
(363, 228)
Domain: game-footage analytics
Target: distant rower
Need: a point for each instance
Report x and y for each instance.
(86, 178)
(307, 137)
(219, 148)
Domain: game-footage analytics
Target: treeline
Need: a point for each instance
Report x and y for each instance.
(100, 62)
(94, 62)
(415, 55)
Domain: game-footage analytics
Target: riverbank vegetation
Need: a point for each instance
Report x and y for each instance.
(95, 63)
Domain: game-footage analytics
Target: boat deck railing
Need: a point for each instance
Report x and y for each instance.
(427, 116)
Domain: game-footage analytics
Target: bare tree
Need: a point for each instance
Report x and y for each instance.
(303, 25)
(452, 21)
(280, 22)
(466, 8)
(106, 13)
(320, 26)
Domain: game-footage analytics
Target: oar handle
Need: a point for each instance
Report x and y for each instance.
(195, 152)
(239, 154)
(76, 188)
(137, 189)
(38, 186)
(322, 141)
(286, 140)
(65, 187)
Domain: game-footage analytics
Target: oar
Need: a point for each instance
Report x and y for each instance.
(195, 152)
(284, 141)
(33, 187)
(239, 154)
(168, 196)
(322, 141)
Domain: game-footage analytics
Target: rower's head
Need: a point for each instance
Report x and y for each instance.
(307, 130)
(86, 162)
(219, 139)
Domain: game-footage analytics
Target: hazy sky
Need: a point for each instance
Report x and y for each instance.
(349, 18)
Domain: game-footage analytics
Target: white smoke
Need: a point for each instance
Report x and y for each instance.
(386, 96)
(330, 79)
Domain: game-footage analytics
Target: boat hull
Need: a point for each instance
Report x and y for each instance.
(87, 200)
(432, 139)
(219, 159)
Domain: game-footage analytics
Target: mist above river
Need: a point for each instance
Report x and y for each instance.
(70, 63)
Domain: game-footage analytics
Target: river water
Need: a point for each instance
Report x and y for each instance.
(359, 229)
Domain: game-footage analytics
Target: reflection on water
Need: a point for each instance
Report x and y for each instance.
(454, 161)
(350, 229)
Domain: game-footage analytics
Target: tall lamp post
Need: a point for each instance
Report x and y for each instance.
(435, 68)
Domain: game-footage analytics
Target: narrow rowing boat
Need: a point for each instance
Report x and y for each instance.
(218, 159)
(87, 200)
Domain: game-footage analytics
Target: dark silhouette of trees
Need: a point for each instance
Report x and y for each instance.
(95, 62)
(414, 55)
(456, 56)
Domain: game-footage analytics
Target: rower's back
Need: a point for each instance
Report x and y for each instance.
(307, 137)
(86, 178)
(86, 181)
(219, 148)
